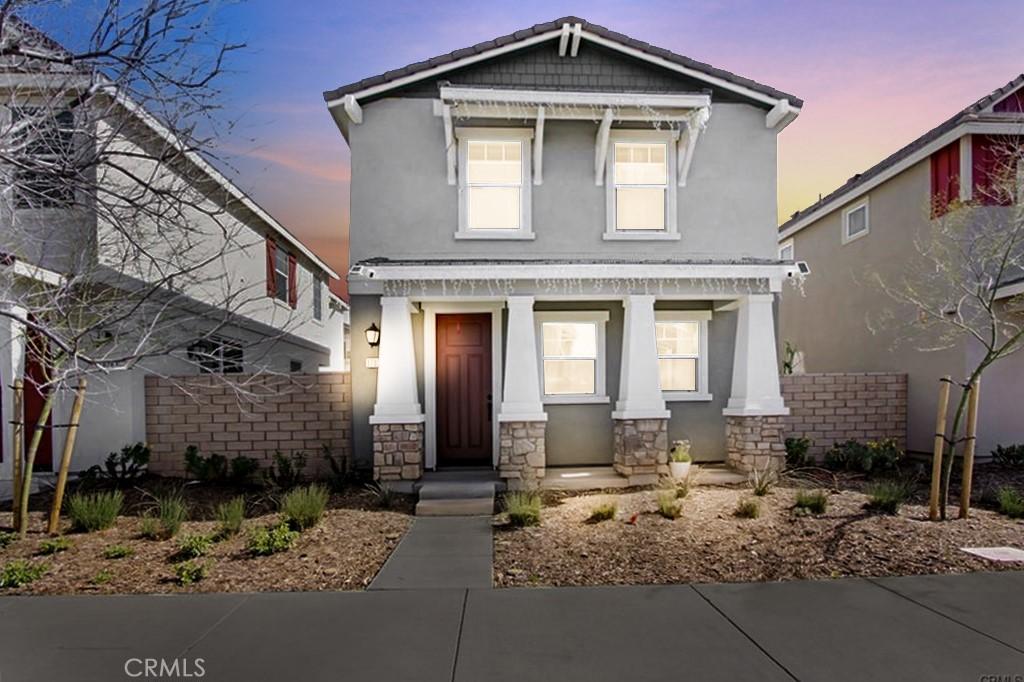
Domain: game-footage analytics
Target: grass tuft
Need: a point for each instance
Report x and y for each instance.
(669, 505)
(230, 515)
(194, 546)
(54, 545)
(813, 502)
(302, 508)
(763, 480)
(94, 511)
(118, 552)
(172, 512)
(266, 540)
(1011, 502)
(886, 497)
(748, 508)
(18, 572)
(188, 572)
(604, 511)
(523, 507)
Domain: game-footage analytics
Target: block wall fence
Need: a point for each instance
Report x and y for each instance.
(834, 407)
(251, 415)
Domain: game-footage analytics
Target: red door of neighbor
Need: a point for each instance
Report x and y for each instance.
(464, 401)
(37, 376)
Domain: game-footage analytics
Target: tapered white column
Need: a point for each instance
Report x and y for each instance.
(521, 398)
(12, 366)
(639, 385)
(397, 394)
(755, 370)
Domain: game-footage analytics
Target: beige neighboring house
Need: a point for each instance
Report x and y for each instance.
(867, 226)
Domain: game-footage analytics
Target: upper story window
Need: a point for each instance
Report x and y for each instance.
(282, 275)
(641, 185)
(787, 251)
(217, 355)
(494, 183)
(47, 140)
(573, 356)
(856, 221)
(682, 341)
(318, 298)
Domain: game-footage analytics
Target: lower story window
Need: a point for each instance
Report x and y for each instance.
(572, 356)
(217, 355)
(681, 339)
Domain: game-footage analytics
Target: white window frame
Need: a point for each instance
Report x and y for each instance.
(703, 317)
(850, 210)
(600, 319)
(318, 298)
(522, 135)
(278, 254)
(788, 244)
(667, 137)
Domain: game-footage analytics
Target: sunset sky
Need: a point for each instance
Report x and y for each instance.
(873, 76)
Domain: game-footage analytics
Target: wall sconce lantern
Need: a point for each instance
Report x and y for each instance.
(372, 336)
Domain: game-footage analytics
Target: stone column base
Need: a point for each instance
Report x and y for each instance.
(755, 442)
(521, 455)
(397, 452)
(641, 449)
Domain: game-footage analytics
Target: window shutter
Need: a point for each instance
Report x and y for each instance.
(293, 281)
(271, 279)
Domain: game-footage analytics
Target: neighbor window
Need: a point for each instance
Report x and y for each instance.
(47, 141)
(217, 355)
(856, 222)
(640, 177)
(494, 183)
(786, 251)
(318, 298)
(572, 356)
(282, 274)
(681, 340)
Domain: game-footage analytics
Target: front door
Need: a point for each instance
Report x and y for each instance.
(36, 377)
(464, 401)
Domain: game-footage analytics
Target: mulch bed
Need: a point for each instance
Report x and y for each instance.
(343, 552)
(708, 543)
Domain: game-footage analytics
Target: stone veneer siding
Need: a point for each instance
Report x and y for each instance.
(641, 449)
(397, 452)
(521, 455)
(831, 408)
(755, 442)
(251, 415)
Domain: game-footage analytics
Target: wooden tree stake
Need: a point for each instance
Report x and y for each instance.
(972, 431)
(65, 460)
(17, 448)
(940, 446)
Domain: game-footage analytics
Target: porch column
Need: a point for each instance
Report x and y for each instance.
(754, 414)
(397, 416)
(12, 366)
(521, 417)
(640, 417)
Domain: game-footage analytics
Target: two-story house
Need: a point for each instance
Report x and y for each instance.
(870, 230)
(564, 255)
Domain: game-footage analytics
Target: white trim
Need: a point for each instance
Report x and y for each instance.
(788, 244)
(450, 150)
(563, 271)
(601, 146)
(573, 98)
(577, 32)
(1010, 290)
(352, 109)
(37, 273)
(703, 360)
(966, 168)
(600, 320)
(666, 137)
(464, 136)
(538, 148)
(779, 113)
(563, 39)
(430, 313)
(847, 212)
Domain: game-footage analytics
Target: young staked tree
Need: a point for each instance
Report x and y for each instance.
(127, 241)
(957, 284)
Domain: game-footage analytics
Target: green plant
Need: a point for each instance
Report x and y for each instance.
(302, 508)
(748, 508)
(849, 455)
(603, 511)
(668, 504)
(103, 577)
(813, 502)
(887, 496)
(285, 472)
(210, 468)
(122, 467)
(1009, 456)
(172, 511)
(341, 471)
(383, 494)
(1011, 502)
(264, 540)
(194, 546)
(149, 526)
(188, 572)
(763, 480)
(523, 507)
(18, 572)
(876, 457)
(243, 468)
(230, 515)
(884, 456)
(789, 358)
(796, 452)
(94, 511)
(118, 552)
(6, 538)
(54, 545)
(680, 451)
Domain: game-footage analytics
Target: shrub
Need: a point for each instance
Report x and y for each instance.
(887, 496)
(265, 540)
(194, 546)
(6, 538)
(103, 577)
(523, 507)
(172, 512)
(883, 456)
(118, 552)
(122, 467)
(876, 457)
(604, 511)
(230, 516)
(94, 511)
(285, 472)
(242, 468)
(149, 526)
(383, 494)
(1011, 502)
(211, 468)
(341, 472)
(847, 456)
(18, 572)
(748, 508)
(668, 504)
(303, 508)
(796, 452)
(1009, 456)
(188, 572)
(763, 480)
(54, 545)
(814, 502)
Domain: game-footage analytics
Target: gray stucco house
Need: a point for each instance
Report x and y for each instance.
(567, 241)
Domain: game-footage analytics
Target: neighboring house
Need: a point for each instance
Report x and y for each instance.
(290, 322)
(867, 228)
(565, 238)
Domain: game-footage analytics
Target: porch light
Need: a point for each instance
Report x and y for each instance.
(372, 335)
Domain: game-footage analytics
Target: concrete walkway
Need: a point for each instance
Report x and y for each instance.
(446, 552)
(926, 628)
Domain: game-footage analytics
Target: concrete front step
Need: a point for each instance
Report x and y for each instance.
(467, 507)
(456, 498)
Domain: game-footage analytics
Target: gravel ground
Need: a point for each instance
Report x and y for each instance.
(708, 543)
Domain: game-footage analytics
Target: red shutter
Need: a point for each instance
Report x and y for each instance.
(993, 166)
(271, 279)
(293, 281)
(945, 177)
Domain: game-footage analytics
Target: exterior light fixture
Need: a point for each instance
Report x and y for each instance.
(372, 336)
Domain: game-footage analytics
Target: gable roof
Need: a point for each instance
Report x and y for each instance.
(396, 78)
(860, 181)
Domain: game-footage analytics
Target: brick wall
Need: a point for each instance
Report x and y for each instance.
(830, 408)
(242, 414)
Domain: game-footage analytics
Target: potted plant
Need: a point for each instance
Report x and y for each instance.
(679, 459)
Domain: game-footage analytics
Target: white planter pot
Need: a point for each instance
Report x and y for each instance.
(679, 470)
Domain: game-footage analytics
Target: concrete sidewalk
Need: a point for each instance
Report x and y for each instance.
(927, 628)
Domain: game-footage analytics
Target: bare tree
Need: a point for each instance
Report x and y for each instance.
(967, 256)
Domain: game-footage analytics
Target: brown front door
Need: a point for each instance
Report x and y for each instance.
(464, 401)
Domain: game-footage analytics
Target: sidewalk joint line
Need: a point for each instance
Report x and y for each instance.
(458, 639)
(215, 625)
